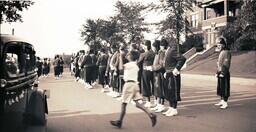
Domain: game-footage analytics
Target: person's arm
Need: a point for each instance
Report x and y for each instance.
(224, 68)
(141, 59)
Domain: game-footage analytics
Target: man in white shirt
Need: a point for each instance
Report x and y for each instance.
(131, 90)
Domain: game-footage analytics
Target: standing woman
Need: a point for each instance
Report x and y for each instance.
(93, 67)
(158, 69)
(61, 66)
(223, 74)
(173, 62)
(147, 84)
(56, 65)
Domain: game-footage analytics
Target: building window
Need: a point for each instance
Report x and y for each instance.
(194, 20)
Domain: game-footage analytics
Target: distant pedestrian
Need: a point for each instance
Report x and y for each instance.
(61, 66)
(39, 65)
(131, 91)
(223, 74)
(56, 65)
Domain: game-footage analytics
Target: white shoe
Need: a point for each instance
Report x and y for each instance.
(119, 98)
(90, 86)
(110, 93)
(168, 111)
(174, 112)
(94, 83)
(155, 108)
(116, 95)
(160, 108)
(224, 105)
(147, 104)
(219, 103)
(133, 102)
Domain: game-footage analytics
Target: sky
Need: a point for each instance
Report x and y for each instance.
(53, 26)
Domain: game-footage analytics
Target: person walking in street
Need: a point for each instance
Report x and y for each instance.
(131, 91)
(223, 74)
(173, 62)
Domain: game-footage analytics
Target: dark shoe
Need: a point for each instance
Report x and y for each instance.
(116, 123)
(153, 119)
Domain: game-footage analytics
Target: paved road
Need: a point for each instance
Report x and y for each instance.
(76, 109)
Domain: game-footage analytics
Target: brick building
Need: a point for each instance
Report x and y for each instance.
(208, 16)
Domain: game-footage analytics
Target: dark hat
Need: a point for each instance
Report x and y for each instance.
(134, 55)
(103, 50)
(164, 42)
(222, 40)
(148, 43)
(156, 43)
(134, 46)
(122, 47)
(114, 46)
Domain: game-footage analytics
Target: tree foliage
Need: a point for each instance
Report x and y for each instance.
(241, 34)
(130, 20)
(126, 26)
(10, 10)
(175, 22)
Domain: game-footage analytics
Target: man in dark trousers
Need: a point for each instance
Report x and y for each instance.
(173, 62)
(131, 90)
(223, 74)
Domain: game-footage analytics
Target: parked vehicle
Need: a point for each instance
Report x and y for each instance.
(18, 76)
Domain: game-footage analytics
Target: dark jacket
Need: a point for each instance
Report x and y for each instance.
(102, 60)
(147, 58)
(159, 60)
(173, 59)
(87, 61)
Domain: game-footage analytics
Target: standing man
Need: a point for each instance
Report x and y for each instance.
(173, 62)
(223, 74)
(131, 90)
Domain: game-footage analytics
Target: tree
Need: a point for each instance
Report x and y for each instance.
(130, 20)
(175, 23)
(241, 34)
(10, 10)
(99, 32)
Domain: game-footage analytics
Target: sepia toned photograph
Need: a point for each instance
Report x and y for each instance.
(128, 66)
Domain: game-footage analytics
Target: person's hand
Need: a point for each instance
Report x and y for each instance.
(149, 68)
(115, 73)
(175, 72)
(221, 75)
(165, 75)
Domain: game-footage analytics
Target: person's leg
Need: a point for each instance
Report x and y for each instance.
(123, 111)
(118, 123)
(151, 115)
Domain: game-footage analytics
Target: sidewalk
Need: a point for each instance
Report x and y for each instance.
(233, 80)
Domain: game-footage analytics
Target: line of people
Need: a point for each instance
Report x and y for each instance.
(43, 66)
(158, 76)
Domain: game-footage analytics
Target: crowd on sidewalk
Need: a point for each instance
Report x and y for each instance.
(150, 70)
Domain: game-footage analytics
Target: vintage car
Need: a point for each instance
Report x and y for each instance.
(18, 77)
